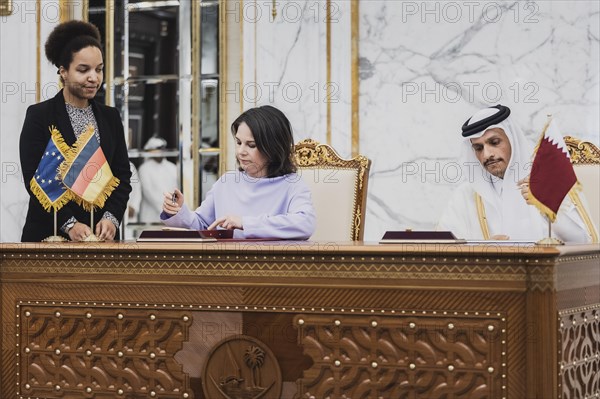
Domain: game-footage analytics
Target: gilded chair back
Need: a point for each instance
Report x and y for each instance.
(585, 157)
(339, 190)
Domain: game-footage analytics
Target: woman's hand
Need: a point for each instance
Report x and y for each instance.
(105, 230)
(523, 185)
(79, 232)
(172, 202)
(228, 223)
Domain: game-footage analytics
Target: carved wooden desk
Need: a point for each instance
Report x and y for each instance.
(285, 320)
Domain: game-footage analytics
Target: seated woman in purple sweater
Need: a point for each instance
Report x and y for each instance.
(265, 198)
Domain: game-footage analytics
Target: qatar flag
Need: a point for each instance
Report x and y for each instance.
(552, 175)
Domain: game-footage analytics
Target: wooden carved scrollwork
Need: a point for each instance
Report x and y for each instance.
(580, 353)
(392, 357)
(100, 352)
(582, 152)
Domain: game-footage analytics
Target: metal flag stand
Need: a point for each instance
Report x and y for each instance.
(55, 237)
(549, 241)
(92, 237)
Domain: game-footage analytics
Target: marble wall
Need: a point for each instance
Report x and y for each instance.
(18, 86)
(425, 67)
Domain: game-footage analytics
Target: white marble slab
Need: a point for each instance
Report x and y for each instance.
(287, 69)
(427, 66)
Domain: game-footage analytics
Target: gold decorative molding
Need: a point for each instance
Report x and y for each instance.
(67, 8)
(241, 51)
(223, 84)
(6, 8)
(109, 56)
(582, 152)
(328, 68)
(310, 153)
(293, 308)
(196, 96)
(354, 72)
(301, 267)
(85, 11)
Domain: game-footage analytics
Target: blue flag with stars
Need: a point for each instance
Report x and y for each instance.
(45, 184)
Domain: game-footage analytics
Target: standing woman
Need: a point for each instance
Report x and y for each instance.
(74, 48)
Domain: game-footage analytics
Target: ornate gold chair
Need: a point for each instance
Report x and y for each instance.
(339, 190)
(585, 157)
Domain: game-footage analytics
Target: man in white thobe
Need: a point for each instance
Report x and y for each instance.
(492, 201)
(157, 175)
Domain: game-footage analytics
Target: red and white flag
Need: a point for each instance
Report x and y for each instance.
(552, 175)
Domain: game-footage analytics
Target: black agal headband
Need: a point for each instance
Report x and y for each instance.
(476, 127)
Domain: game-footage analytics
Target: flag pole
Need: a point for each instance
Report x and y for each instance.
(55, 237)
(549, 241)
(92, 237)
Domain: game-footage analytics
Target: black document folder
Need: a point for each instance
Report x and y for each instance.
(174, 236)
(428, 237)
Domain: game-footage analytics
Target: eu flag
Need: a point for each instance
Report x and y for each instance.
(45, 183)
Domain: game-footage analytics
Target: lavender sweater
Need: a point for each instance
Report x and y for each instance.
(278, 207)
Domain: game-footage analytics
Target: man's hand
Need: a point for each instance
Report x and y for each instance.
(523, 185)
(105, 230)
(228, 222)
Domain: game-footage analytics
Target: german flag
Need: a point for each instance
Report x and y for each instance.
(86, 173)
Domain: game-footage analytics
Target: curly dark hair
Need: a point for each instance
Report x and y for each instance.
(68, 38)
(273, 136)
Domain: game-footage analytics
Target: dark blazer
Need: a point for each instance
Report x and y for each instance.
(39, 224)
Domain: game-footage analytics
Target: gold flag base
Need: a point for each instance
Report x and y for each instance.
(550, 242)
(55, 239)
(92, 238)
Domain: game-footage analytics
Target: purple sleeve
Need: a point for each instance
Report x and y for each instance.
(200, 219)
(297, 223)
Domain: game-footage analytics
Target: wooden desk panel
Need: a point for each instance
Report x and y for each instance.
(340, 320)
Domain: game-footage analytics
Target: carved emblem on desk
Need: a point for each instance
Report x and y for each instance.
(241, 367)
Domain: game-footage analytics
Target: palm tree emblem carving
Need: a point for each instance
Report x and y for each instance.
(242, 367)
(254, 357)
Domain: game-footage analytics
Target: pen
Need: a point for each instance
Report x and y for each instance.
(174, 198)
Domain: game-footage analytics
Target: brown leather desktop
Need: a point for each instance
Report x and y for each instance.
(288, 319)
